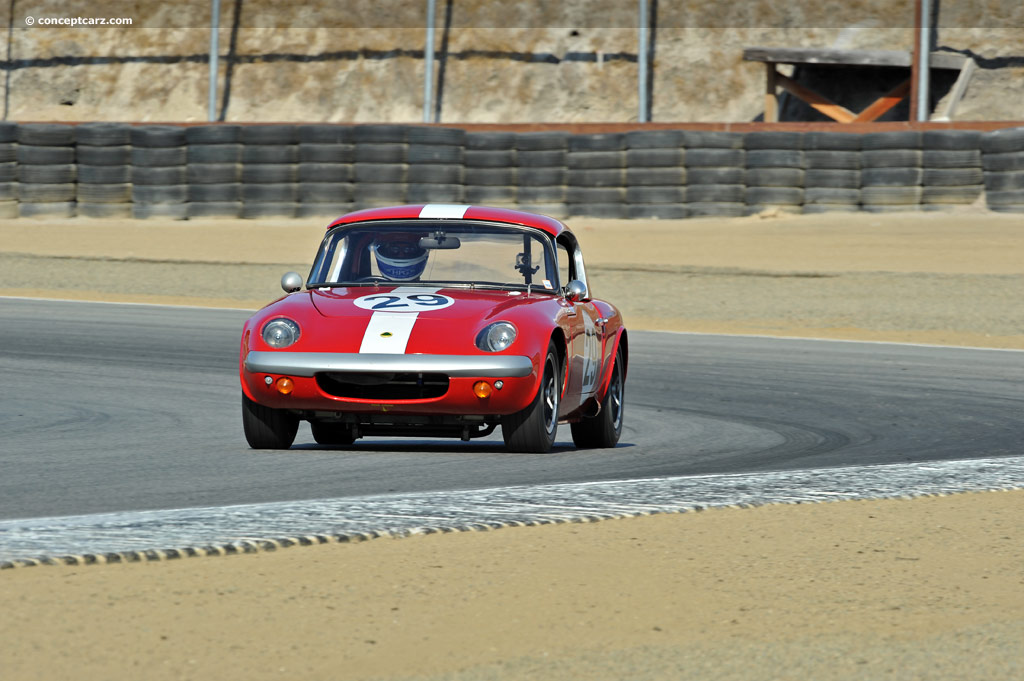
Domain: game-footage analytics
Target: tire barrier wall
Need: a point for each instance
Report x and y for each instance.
(117, 170)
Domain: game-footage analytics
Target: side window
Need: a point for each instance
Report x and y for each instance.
(564, 266)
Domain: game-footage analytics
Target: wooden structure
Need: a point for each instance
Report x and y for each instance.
(772, 56)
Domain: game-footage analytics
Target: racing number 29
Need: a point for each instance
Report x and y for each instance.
(420, 299)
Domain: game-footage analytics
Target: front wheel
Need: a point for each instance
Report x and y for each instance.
(533, 429)
(604, 429)
(267, 428)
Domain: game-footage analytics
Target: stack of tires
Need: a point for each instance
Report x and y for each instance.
(891, 171)
(655, 174)
(774, 171)
(832, 177)
(159, 159)
(381, 168)
(46, 170)
(436, 170)
(490, 169)
(596, 175)
(214, 171)
(952, 168)
(270, 156)
(541, 159)
(1003, 161)
(8, 170)
(715, 173)
(104, 155)
(325, 170)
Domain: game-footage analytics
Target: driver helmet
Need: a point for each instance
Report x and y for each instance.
(399, 256)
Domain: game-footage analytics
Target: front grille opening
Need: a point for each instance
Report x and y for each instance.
(383, 386)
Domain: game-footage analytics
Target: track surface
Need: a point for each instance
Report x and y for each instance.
(118, 408)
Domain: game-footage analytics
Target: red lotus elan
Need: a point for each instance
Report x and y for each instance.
(437, 321)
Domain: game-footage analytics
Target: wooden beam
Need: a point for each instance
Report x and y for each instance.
(957, 93)
(818, 102)
(771, 97)
(805, 55)
(883, 103)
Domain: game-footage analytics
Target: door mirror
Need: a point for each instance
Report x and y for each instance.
(291, 282)
(575, 291)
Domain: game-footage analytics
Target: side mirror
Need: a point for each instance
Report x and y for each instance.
(291, 282)
(576, 290)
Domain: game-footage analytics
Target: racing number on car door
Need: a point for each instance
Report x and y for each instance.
(591, 353)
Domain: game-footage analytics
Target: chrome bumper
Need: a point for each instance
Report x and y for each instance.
(310, 363)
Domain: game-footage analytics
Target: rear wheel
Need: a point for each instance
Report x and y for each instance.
(604, 429)
(331, 433)
(533, 429)
(267, 428)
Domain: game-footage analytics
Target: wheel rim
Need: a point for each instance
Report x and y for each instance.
(550, 399)
(615, 398)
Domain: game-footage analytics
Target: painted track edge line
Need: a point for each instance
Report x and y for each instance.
(831, 340)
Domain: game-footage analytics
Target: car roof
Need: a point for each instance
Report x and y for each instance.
(443, 211)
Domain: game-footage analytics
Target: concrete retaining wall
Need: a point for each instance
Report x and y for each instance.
(106, 170)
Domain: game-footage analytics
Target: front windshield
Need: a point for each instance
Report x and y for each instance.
(436, 253)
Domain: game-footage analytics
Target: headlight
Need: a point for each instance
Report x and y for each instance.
(280, 332)
(496, 337)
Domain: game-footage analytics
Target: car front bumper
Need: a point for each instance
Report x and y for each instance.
(455, 366)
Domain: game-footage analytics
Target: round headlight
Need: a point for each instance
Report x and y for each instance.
(280, 332)
(496, 337)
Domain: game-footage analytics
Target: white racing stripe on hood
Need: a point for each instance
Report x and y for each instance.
(398, 324)
(443, 210)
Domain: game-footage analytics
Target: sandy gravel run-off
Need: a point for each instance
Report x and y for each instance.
(926, 589)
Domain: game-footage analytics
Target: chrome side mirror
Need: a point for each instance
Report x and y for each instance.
(291, 282)
(576, 290)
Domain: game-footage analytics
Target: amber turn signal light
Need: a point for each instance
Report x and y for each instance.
(482, 389)
(285, 385)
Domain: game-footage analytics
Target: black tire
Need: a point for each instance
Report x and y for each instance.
(773, 140)
(8, 191)
(959, 158)
(379, 134)
(105, 156)
(380, 153)
(491, 141)
(269, 210)
(605, 429)
(57, 173)
(545, 158)
(951, 139)
(964, 194)
(165, 156)
(325, 172)
(214, 209)
(998, 162)
(654, 139)
(434, 153)
(775, 196)
(588, 160)
(554, 193)
(326, 153)
(213, 173)
(542, 141)
(455, 137)
(104, 174)
(900, 139)
(8, 131)
(32, 154)
(775, 158)
(486, 194)
(655, 158)
(714, 158)
(831, 195)
(533, 429)
(601, 177)
(722, 209)
(707, 139)
(952, 177)
(611, 195)
(999, 182)
(891, 177)
(267, 428)
(818, 208)
(714, 175)
(221, 133)
(434, 193)
(775, 177)
(105, 193)
(657, 177)
(215, 153)
(377, 194)
(834, 141)
(331, 433)
(268, 134)
(269, 173)
(228, 191)
(495, 158)
(541, 177)
(8, 152)
(159, 175)
(325, 192)
(46, 134)
(55, 209)
(327, 134)
(380, 172)
(601, 141)
(173, 211)
(890, 196)
(832, 160)
(158, 136)
(283, 192)
(159, 194)
(716, 193)
(1003, 141)
(103, 210)
(46, 193)
(270, 153)
(8, 172)
(645, 195)
(891, 158)
(103, 134)
(436, 173)
(492, 177)
(836, 179)
(1009, 197)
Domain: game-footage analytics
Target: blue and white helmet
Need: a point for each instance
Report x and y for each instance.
(399, 256)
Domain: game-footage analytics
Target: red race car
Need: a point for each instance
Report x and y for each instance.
(437, 321)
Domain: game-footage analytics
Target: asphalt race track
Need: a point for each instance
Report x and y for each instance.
(110, 407)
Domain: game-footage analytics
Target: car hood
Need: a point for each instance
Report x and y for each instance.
(426, 303)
